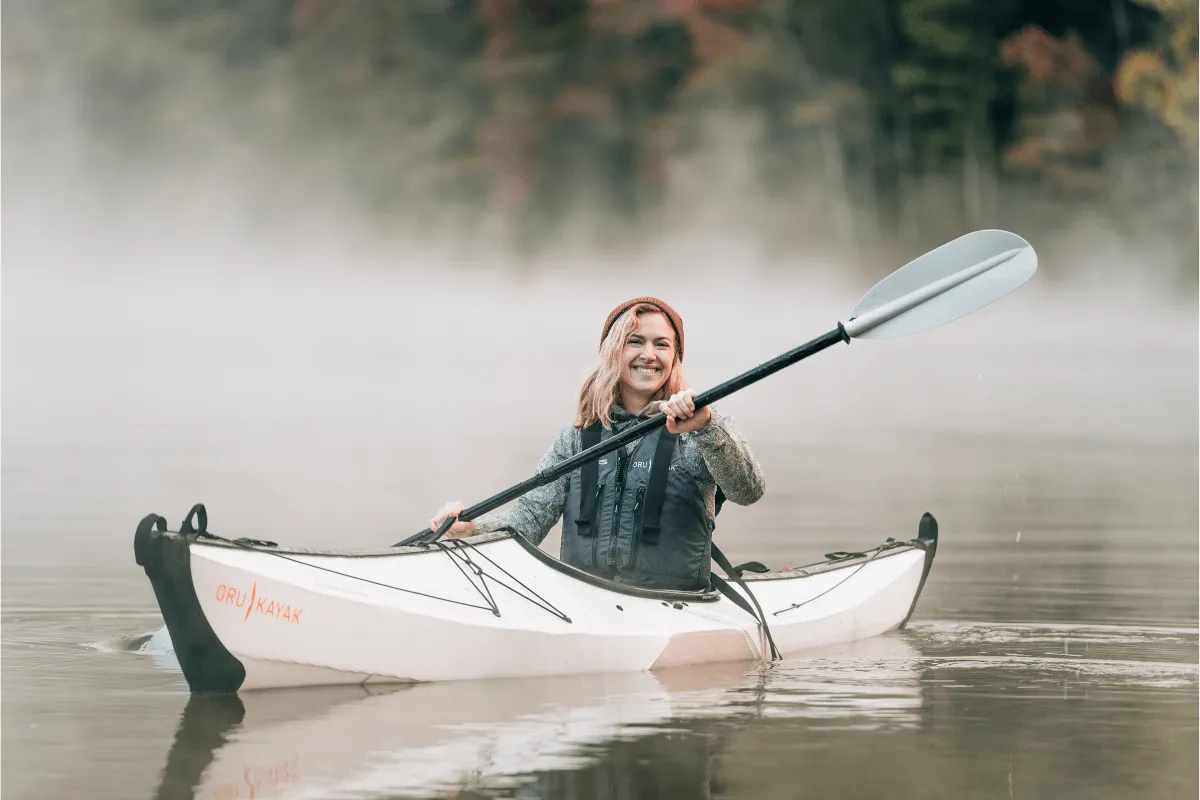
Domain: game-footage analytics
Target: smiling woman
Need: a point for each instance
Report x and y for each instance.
(646, 516)
(641, 360)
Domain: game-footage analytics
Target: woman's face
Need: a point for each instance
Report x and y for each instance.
(646, 359)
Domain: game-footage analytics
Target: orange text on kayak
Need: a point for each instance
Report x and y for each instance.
(257, 604)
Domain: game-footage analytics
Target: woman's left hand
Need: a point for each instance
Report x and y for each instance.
(682, 416)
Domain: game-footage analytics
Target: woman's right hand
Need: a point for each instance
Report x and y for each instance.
(452, 509)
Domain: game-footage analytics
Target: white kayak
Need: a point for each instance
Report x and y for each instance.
(247, 614)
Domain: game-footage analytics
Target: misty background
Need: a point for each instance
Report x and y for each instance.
(323, 266)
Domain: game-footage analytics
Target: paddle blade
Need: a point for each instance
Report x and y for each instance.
(944, 284)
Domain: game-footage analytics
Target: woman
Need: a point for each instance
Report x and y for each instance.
(645, 514)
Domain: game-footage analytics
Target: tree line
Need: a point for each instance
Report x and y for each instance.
(855, 121)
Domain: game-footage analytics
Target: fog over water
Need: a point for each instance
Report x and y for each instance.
(339, 401)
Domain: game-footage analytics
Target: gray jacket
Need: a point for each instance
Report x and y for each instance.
(712, 457)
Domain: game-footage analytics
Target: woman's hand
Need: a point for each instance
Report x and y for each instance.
(452, 509)
(682, 416)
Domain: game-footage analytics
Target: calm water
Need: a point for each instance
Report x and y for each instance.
(1053, 653)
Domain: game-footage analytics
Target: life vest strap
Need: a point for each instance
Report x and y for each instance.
(656, 488)
(589, 483)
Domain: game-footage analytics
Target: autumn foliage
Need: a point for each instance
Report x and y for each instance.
(1067, 112)
(854, 120)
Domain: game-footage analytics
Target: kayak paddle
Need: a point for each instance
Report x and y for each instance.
(959, 277)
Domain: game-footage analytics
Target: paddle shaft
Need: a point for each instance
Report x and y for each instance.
(551, 474)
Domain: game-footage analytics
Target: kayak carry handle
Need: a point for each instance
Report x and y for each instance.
(198, 513)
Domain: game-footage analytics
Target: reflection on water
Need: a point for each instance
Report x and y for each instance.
(431, 738)
(203, 730)
(685, 733)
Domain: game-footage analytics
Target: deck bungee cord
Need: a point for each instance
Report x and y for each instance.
(200, 530)
(890, 544)
(464, 545)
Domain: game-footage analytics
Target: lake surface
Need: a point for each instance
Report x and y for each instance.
(1054, 652)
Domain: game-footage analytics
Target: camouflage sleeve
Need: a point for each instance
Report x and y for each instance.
(729, 459)
(534, 513)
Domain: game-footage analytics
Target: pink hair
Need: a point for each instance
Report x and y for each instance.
(601, 388)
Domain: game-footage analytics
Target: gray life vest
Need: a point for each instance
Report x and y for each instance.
(638, 517)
